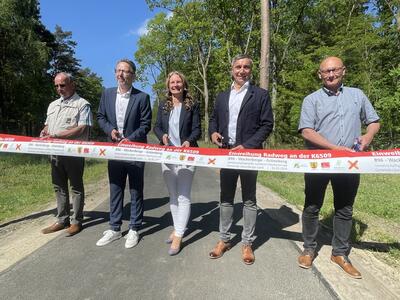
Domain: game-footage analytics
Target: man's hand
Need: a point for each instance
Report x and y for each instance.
(115, 136)
(165, 139)
(238, 147)
(216, 138)
(365, 140)
(186, 144)
(44, 133)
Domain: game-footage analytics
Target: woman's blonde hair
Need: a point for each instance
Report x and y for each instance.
(188, 101)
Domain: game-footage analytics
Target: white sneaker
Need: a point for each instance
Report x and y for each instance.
(108, 237)
(132, 239)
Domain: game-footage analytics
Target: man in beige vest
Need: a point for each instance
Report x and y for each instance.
(68, 117)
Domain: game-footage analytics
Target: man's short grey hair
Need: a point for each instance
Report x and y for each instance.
(69, 76)
(129, 62)
(242, 56)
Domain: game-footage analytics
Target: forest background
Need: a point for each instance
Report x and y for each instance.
(199, 38)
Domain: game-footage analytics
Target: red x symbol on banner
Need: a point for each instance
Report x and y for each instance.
(102, 152)
(18, 147)
(211, 161)
(353, 164)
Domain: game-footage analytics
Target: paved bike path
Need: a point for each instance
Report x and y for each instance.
(75, 268)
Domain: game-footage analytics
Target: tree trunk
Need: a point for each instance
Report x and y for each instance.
(265, 45)
(274, 95)
(206, 99)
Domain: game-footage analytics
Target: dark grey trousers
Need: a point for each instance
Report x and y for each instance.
(344, 188)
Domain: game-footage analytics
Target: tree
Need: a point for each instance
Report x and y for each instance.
(23, 63)
(265, 45)
(365, 34)
(63, 53)
(156, 59)
(30, 55)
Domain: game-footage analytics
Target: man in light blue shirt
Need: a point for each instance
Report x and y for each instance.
(331, 118)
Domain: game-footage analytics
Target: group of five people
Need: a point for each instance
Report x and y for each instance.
(242, 118)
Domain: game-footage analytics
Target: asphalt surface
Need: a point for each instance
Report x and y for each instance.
(75, 268)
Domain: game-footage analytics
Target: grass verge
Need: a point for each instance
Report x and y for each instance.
(25, 182)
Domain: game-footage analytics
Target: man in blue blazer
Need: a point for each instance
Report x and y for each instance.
(242, 119)
(124, 114)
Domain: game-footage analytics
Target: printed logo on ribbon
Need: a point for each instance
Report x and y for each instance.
(325, 165)
(211, 161)
(353, 164)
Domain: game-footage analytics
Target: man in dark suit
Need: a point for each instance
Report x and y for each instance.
(124, 114)
(242, 119)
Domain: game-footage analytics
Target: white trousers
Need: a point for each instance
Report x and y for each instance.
(178, 179)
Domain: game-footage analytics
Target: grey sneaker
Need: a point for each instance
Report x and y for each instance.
(132, 239)
(108, 237)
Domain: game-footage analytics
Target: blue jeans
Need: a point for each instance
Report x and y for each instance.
(344, 188)
(118, 171)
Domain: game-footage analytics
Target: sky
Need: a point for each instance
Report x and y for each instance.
(105, 31)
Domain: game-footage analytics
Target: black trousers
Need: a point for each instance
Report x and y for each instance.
(344, 188)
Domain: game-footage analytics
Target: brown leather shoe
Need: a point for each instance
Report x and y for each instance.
(74, 229)
(344, 263)
(219, 250)
(53, 228)
(248, 255)
(306, 259)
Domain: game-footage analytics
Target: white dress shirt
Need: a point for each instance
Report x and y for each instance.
(235, 102)
(121, 104)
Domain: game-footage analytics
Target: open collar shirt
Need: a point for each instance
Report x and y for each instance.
(235, 103)
(337, 117)
(121, 104)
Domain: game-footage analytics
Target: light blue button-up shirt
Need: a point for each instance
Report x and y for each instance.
(338, 118)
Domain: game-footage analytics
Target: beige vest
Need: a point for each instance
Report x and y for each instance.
(65, 115)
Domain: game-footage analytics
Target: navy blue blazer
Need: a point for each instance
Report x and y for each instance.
(189, 124)
(137, 118)
(255, 120)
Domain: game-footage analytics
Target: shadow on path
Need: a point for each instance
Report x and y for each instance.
(30, 217)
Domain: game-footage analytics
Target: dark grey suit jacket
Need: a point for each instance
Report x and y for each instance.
(189, 124)
(137, 118)
(255, 120)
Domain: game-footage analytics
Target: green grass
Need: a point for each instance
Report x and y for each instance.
(378, 194)
(203, 144)
(25, 182)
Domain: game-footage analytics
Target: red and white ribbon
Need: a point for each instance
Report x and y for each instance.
(300, 161)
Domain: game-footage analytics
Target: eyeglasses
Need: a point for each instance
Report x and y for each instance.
(59, 85)
(335, 71)
(123, 71)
